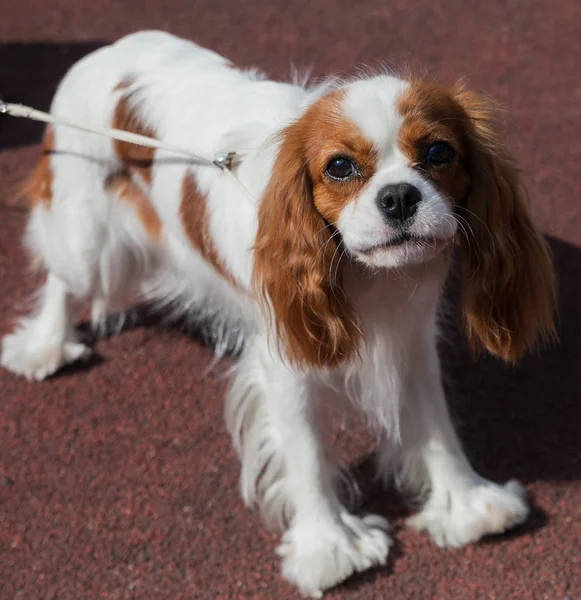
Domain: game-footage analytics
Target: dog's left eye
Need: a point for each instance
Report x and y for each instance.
(341, 168)
(439, 154)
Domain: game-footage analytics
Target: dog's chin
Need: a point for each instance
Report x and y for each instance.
(403, 251)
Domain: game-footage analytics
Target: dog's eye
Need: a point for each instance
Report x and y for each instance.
(341, 168)
(439, 154)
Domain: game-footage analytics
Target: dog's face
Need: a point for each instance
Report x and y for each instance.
(387, 165)
(390, 173)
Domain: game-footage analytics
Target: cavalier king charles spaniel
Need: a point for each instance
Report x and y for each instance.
(326, 276)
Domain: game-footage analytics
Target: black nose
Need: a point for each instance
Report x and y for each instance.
(398, 201)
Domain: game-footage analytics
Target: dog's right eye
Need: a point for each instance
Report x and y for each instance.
(341, 169)
(440, 154)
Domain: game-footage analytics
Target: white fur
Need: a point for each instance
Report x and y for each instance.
(93, 246)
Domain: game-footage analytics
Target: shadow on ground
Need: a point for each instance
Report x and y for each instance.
(536, 406)
(30, 75)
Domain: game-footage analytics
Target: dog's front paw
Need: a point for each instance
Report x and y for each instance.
(466, 516)
(320, 554)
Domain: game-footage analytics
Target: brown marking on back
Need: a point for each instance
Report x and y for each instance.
(137, 162)
(38, 188)
(431, 114)
(194, 216)
(138, 159)
(129, 191)
(125, 83)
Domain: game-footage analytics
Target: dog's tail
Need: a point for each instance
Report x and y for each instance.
(36, 189)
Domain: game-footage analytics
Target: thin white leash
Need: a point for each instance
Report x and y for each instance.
(224, 161)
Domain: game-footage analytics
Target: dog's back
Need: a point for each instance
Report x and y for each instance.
(105, 214)
(114, 222)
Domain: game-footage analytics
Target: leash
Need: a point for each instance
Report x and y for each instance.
(224, 161)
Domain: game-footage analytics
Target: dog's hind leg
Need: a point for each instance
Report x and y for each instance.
(46, 341)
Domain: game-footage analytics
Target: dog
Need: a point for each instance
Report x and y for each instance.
(323, 260)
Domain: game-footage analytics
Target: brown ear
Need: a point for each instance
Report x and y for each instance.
(508, 282)
(296, 265)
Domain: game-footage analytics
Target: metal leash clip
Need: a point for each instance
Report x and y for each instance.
(225, 160)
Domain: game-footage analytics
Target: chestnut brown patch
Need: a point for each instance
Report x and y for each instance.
(329, 134)
(431, 114)
(137, 159)
(124, 84)
(194, 216)
(128, 191)
(38, 188)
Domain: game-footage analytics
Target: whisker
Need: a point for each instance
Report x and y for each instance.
(413, 292)
(470, 212)
(331, 277)
(469, 236)
(325, 226)
(331, 237)
(339, 262)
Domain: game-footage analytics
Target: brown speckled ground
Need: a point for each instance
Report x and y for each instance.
(119, 481)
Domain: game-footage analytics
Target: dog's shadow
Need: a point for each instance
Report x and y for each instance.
(524, 422)
(200, 331)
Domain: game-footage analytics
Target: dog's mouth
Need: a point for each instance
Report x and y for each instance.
(419, 242)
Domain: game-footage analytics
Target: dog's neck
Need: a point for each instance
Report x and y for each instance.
(386, 290)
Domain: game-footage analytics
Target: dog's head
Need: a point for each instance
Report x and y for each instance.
(390, 173)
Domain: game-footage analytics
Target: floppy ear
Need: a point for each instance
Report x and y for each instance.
(296, 265)
(508, 282)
